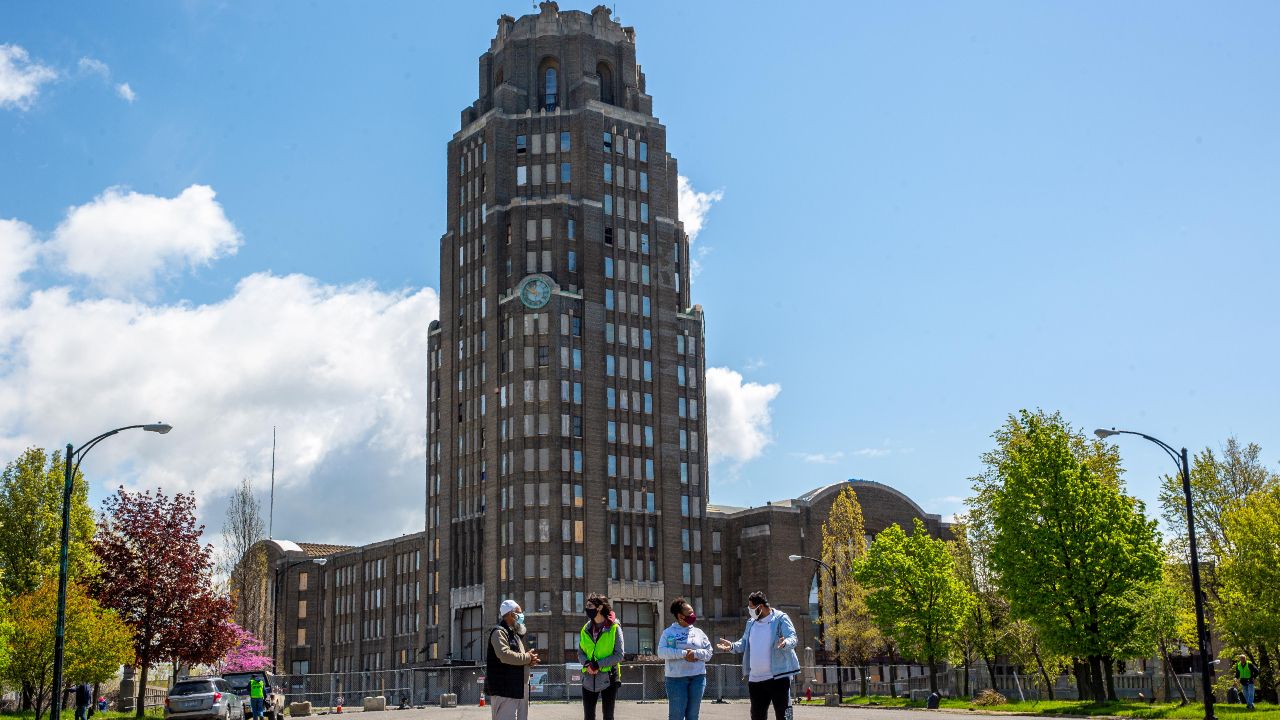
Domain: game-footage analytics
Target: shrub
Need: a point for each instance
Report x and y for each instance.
(990, 697)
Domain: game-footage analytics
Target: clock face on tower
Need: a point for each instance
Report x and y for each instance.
(535, 292)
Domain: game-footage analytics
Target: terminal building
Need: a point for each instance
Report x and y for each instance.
(566, 421)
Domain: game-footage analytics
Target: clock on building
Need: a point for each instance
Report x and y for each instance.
(535, 292)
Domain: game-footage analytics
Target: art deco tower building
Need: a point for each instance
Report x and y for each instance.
(566, 421)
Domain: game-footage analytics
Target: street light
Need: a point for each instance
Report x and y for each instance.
(835, 596)
(59, 641)
(275, 602)
(1180, 459)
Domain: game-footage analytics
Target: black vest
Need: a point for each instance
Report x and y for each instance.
(501, 679)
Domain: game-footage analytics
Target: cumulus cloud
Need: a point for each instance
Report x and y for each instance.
(21, 77)
(738, 416)
(17, 255)
(126, 92)
(122, 240)
(94, 66)
(694, 205)
(340, 371)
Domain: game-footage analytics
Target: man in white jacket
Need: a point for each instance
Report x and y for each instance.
(686, 650)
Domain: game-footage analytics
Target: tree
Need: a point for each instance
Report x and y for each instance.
(914, 593)
(984, 628)
(1166, 618)
(247, 653)
(1221, 482)
(843, 544)
(1025, 649)
(1249, 595)
(97, 643)
(31, 523)
(158, 576)
(244, 560)
(1066, 543)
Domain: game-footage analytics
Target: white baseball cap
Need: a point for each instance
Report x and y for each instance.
(507, 606)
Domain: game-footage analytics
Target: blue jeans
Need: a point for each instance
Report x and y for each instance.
(256, 705)
(684, 696)
(1248, 694)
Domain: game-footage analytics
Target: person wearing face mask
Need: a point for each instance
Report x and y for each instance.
(600, 648)
(507, 663)
(768, 657)
(686, 650)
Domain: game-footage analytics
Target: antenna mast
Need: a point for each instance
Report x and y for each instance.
(271, 511)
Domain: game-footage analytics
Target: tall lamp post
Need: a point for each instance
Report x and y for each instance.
(72, 465)
(1202, 633)
(835, 597)
(275, 601)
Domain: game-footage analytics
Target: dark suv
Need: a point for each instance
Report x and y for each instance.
(273, 692)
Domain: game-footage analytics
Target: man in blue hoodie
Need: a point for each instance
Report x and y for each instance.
(768, 657)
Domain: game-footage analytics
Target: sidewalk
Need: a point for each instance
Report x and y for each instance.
(731, 710)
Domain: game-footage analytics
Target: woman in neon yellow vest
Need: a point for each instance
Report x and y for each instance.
(600, 648)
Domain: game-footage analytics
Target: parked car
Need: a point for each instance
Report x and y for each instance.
(205, 698)
(272, 704)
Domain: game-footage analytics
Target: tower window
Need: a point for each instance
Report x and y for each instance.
(606, 82)
(550, 85)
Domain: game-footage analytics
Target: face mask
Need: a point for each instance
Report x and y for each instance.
(519, 618)
(754, 612)
(690, 619)
(591, 613)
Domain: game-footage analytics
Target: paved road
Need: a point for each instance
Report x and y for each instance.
(733, 710)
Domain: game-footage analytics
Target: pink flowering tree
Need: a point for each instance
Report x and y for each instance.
(246, 654)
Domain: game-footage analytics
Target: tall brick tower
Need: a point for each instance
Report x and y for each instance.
(566, 420)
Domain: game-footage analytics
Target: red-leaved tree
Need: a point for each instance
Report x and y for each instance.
(159, 578)
(247, 653)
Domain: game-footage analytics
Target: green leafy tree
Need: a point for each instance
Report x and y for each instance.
(1249, 592)
(1166, 618)
(843, 545)
(1025, 649)
(97, 643)
(1066, 543)
(983, 633)
(1221, 483)
(31, 523)
(914, 593)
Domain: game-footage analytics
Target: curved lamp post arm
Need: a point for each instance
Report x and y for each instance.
(1173, 454)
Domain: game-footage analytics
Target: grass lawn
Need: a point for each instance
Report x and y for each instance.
(1051, 708)
(70, 714)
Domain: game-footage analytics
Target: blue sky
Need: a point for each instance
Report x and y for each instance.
(931, 215)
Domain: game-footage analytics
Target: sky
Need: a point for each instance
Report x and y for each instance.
(910, 220)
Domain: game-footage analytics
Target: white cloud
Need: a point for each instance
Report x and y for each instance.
(872, 452)
(122, 240)
(17, 255)
(341, 371)
(738, 416)
(821, 458)
(694, 205)
(20, 77)
(95, 66)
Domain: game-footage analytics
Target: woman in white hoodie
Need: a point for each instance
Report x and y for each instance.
(686, 650)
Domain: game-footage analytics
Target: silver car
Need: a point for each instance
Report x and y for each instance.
(207, 698)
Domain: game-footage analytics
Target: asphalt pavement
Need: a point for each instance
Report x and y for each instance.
(732, 710)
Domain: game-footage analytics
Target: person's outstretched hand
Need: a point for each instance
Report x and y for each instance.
(724, 644)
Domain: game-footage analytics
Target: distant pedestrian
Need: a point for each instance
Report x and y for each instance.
(257, 695)
(507, 663)
(84, 701)
(600, 649)
(686, 650)
(102, 704)
(768, 657)
(1246, 673)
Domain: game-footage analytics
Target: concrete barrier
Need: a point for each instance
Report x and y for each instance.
(448, 700)
(375, 704)
(300, 709)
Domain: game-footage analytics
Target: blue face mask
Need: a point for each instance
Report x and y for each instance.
(519, 618)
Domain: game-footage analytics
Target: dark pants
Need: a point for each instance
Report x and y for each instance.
(82, 712)
(776, 692)
(589, 698)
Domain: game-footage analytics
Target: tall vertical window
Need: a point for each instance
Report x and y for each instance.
(565, 142)
(521, 144)
(605, 74)
(644, 152)
(608, 267)
(573, 260)
(564, 172)
(550, 96)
